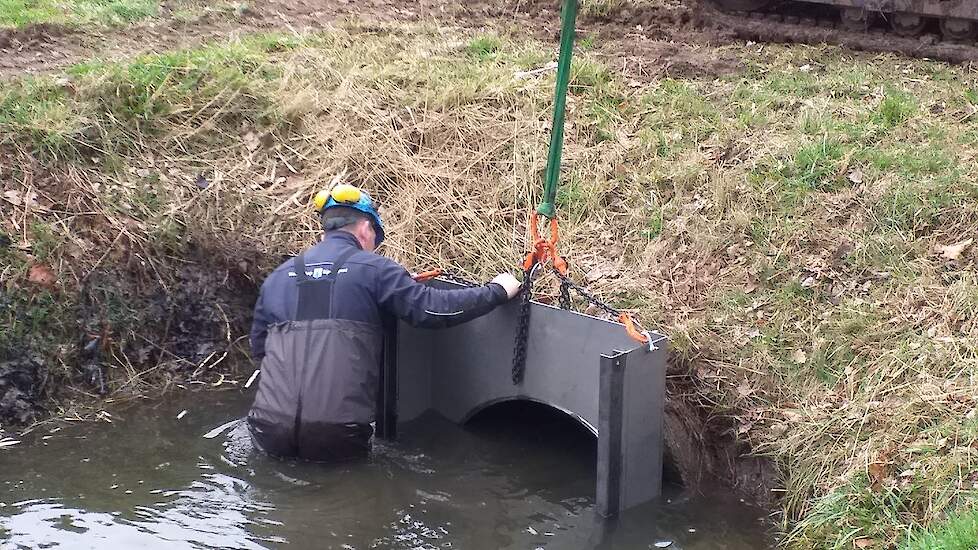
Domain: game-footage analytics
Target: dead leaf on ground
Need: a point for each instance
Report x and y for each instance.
(42, 276)
(864, 542)
(12, 196)
(18, 198)
(750, 287)
(877, 473)
(251, 141)
(953, 251)
(601, 272)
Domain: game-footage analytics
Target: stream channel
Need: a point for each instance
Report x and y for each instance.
(517, 476)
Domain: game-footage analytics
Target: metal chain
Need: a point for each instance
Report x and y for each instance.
(565, 282)
(523, 324)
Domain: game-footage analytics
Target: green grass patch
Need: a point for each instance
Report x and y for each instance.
(485, 46)
(155, 89)
(605, 114)
(915, 206)
(37, 318)
(20, 13)
(588, 76)
(103, 107)
(587, 42)
(815, 165)
(656, 221)
(971, 95)
(851, 514)
(923, 159)
(681, 113)
(895, 108)
(958, 533)
(793, 84)
(42, 111)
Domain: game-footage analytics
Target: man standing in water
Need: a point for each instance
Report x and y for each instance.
(318, 332)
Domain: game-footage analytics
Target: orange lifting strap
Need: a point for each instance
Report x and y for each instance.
(428, 275)
(630, 328)
(544, 249)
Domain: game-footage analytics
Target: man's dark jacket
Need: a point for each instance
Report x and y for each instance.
(319, 335)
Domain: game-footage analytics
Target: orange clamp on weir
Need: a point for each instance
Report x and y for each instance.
(626, 320)
(428, 275)
(543, 249)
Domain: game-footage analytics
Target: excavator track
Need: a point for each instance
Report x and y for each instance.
(946, 39)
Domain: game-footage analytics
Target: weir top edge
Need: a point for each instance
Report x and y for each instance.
(654, 337)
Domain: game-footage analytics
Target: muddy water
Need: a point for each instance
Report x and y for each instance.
(150, 480)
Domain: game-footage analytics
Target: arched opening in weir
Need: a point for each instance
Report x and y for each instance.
(540, 424)
(519, 408)
(546, 450)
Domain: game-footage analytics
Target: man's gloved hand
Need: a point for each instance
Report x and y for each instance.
(509, 284)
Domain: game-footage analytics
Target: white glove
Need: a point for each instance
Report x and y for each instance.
(509, 283)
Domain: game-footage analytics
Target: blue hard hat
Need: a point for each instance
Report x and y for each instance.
(355, 198)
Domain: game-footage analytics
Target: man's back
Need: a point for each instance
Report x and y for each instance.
(318, 330)
(354, 296)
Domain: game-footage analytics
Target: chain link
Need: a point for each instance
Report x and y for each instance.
(566, 283)
(565, 297)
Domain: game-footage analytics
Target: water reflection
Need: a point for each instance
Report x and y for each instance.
(152, 481)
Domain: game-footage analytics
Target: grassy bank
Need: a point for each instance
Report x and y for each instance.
(19, 13)
(77, 13)
(801, 229)
(121, 275)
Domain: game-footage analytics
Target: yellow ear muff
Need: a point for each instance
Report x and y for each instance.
(320, 200)
(346, 194)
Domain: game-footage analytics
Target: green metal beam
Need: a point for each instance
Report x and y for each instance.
(567, 31)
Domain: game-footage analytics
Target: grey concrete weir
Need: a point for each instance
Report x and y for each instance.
(587, 367)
